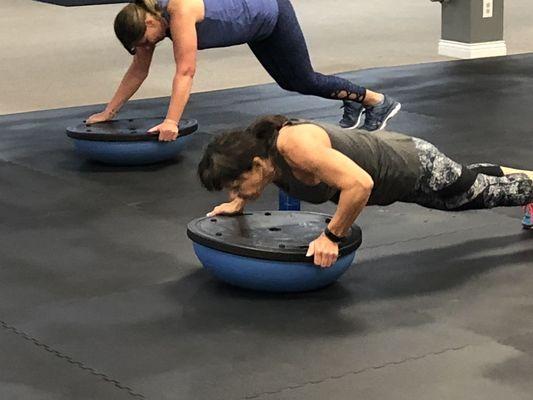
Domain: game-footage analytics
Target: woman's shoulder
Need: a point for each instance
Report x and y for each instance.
(293, 137)
(184, 6)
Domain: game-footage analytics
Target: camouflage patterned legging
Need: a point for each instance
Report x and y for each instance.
(486, 190)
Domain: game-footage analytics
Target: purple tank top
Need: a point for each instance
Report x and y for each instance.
(232, 22)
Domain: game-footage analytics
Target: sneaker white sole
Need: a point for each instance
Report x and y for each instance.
(358, 123)
(391, 115)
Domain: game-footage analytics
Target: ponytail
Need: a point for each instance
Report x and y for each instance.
(266, 128)
(150, 6)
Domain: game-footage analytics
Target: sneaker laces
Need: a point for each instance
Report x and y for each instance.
(349, 112)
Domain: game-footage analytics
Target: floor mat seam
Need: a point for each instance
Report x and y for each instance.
(359, 371)
(70, 360)
(499, 340)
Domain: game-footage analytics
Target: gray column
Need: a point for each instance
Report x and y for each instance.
(472, 28)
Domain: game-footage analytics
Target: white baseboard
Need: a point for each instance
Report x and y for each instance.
(472, 50)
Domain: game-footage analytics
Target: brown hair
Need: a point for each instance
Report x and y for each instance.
(130, 23)
(231, 154)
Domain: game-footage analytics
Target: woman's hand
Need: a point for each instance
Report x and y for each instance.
(324, 250)
(234, 207)
(168, 130)
(99, 117)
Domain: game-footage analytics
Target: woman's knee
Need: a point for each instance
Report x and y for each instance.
(285, 85)
(303, 85)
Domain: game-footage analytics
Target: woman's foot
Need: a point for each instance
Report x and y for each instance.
(376, 117)
(352, 115)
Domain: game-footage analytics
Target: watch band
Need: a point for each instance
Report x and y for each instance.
(331, 236)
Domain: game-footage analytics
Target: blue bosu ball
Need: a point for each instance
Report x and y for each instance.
(126, 141)
(266, 250)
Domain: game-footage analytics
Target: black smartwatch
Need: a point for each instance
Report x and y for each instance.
(331, 236)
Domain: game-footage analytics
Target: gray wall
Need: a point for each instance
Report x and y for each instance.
(462, 21)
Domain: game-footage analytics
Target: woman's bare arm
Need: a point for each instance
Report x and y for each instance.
(133, 79)
(307, 147)
(183, 18)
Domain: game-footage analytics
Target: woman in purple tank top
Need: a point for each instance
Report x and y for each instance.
(271, 30)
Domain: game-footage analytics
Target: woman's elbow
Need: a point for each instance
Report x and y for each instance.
(141, 75)
(361, 188)
(139, 72)
(186, 71)
(366, 185)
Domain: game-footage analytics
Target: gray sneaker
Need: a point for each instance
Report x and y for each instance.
(377, 116)
(352, 115)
